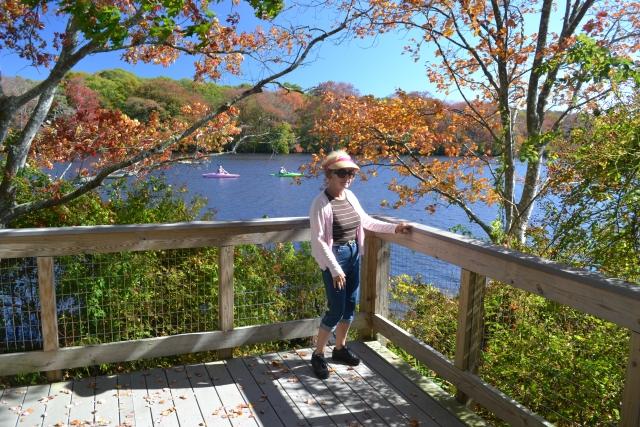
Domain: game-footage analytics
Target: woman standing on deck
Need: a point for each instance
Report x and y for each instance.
(337, 235)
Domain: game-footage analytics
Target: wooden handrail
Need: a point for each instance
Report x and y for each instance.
(611, 299)
(33, 242)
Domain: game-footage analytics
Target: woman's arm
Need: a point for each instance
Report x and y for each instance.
(372, 224)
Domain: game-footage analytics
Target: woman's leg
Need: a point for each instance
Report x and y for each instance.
(351, 294)
(341, 334)
(336, 305)
(321, 341)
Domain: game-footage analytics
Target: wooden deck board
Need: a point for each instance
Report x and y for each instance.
(82, 402)
(59, 405)
(395, 398)
(411, 392)
(34, 405)
(376, 401)
(184, 399)
(262, 410)
(106, 405)
(284, 406)
(277, 389)
(296, 391)
(141, 399)
(237, 409)
(340, 387)
(124, 392)
(207, 396)
(325, 397)
(162, 408)
(12, 406)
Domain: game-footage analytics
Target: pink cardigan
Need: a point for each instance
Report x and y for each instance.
(321, 218)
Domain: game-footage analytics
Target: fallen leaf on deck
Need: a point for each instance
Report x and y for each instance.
(168, 411)
(26, 412)
(102, 422)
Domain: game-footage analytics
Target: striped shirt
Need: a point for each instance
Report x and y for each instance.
(345, 220)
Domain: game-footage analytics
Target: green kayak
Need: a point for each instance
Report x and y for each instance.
(287, 175)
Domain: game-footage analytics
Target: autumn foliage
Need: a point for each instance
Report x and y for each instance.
(161, 119)
(403, 132)
(520, 69)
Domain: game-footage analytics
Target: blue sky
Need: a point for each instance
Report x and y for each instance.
(375, 67)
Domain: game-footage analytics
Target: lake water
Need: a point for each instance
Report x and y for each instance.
(256, 194)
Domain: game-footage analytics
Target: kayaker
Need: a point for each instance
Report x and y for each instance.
(337, 236)
(282, 170)
(222, 170)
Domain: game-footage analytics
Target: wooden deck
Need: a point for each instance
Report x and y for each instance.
(276, 389)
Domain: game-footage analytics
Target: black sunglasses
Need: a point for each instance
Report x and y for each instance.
(345, 172)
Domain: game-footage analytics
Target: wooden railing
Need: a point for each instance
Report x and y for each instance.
(609, 299)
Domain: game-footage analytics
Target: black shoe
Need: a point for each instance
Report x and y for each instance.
(320, 367)
(345, 355)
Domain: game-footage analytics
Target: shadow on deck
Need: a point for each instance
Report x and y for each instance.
(277, 389)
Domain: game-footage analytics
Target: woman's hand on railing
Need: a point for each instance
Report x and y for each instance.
(403, 228)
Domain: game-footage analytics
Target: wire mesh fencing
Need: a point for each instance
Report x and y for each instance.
(20, 320)
(277, 283)
(133, 295)
(567, 366)
(102, 298)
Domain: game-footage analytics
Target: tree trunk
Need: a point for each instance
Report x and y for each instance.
(18, 151)
(527, 202)
(509, 168)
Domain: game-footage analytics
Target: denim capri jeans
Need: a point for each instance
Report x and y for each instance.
(342, 302)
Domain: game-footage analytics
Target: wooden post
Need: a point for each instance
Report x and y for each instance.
(225, 294)
(470, 324)
(374, 280)
(48, 313)
(631, 396)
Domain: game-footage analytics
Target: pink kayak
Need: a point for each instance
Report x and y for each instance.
(220, 175)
